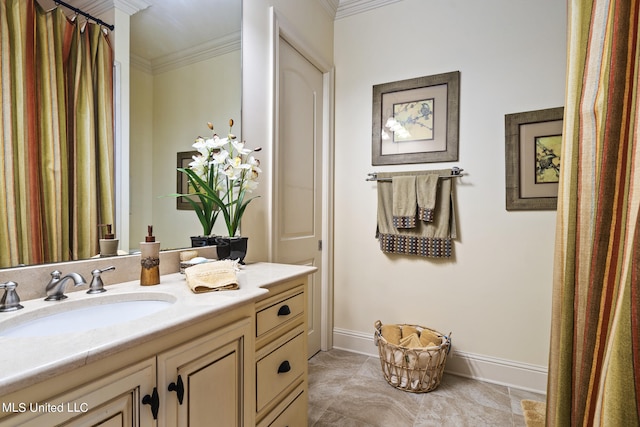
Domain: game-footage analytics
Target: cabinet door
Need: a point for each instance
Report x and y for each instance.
(112, 401)
(203, 382)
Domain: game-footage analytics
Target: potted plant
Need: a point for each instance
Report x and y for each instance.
(220, 177)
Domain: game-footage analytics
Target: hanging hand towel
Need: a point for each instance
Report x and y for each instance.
(426, 194)
(428, 239)
(404, 201)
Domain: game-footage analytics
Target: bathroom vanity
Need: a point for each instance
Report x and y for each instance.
(230, 358)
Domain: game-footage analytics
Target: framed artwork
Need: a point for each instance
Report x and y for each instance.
(533, 142)
(184, 158)
(416, 120)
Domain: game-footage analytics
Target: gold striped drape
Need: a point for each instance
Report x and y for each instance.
(594, 364)
(56, 121)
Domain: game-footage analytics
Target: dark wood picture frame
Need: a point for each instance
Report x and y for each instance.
(523, 161)
(182, 185)
(416, 120)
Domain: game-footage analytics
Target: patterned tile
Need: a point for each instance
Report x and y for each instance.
(348, 390)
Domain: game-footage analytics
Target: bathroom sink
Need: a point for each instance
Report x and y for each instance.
(87, 314)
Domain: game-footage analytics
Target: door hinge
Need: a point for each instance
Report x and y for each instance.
(319, 245)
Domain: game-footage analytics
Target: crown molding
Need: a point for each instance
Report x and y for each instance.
(140, 63)
(130, 7)
(192, 55)
(97, 7)
(330, 6)
(353, 7)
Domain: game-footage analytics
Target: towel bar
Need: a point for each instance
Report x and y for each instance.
(456, 172)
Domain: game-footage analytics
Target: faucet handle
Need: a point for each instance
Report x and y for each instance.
(10, 300)
(97, 286)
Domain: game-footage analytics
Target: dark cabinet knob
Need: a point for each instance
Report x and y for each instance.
(152, 400)
(284, 367)
(178, 387)
(284, 311)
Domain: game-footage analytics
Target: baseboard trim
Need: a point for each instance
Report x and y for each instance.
(510, 373)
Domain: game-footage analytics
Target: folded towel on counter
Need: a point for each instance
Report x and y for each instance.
(426, 195)
(404, 201)
(428, 239)
(212, 276)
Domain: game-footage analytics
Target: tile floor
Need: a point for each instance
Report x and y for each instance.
(348, 390)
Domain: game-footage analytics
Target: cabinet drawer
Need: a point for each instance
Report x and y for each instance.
(279, 369)
(273, 316)
(294, 413)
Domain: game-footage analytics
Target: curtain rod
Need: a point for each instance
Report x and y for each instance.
(85, 14)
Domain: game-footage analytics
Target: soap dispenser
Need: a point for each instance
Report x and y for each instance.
(150, 259)
(108, 244)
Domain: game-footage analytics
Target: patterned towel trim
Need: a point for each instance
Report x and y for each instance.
(404, 221)
(425, 214)
(433, 247)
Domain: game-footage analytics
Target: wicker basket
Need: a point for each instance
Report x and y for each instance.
(418, 370)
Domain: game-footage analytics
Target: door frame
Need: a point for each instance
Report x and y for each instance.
(281, 28)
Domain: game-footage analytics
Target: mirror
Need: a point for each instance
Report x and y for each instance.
(185, 71)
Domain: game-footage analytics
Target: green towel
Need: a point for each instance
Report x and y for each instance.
(426, 195)
(404, 201)
(428, 239)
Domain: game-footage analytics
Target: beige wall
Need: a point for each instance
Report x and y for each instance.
(495, 295)
(140, 187)
(169, 110)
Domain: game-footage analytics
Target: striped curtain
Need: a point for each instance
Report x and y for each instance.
(594, 364)
(56, 122)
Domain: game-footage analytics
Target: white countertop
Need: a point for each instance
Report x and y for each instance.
(27, 360)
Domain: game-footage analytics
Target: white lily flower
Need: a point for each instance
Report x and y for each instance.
(239, 146)
(218, 142)
(230, 171)
(249, 185)
(226, 164)
(201, 146)
(220, 157)
(200, 166)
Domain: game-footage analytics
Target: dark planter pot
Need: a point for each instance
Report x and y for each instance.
(231, 247)
(200, 241)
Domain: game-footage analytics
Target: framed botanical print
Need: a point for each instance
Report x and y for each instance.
(182, 186)
(416, 120)
(533, 143)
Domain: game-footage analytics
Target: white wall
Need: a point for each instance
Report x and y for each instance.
(495, 294)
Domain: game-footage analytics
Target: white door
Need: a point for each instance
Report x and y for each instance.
(298, 174)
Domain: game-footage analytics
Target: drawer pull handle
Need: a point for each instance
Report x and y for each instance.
(178, 388)
(284, 311)
(152, 400)
(284, 367)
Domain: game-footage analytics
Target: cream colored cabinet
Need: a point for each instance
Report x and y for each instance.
(112, 401)
(281, 356)
(242, 366)
(203, 380)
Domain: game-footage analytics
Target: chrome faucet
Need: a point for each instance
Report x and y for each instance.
(97, 285)
(10, 300)
(55, 287)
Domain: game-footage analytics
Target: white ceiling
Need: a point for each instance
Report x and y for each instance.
(170, 26)
(168, 32)
(165, 32)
